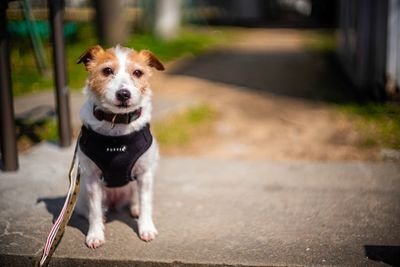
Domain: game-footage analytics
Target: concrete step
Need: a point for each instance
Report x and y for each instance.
(212, 212)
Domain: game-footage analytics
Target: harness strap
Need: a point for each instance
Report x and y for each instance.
(58, 228)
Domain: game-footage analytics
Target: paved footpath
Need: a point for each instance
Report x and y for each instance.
(216, 212)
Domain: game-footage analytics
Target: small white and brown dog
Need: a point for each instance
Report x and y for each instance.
(117, 154)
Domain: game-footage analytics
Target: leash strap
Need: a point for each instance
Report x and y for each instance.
(59, 226)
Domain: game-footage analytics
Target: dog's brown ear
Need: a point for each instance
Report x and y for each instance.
(151, 60)
(90, 54)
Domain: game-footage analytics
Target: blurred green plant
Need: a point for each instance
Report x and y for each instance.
(26, 78)
(180, 129)
(31, 132)
(48, 131)
(378, 124)
(322, 41)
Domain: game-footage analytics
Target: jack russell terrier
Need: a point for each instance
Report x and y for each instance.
(117, 153)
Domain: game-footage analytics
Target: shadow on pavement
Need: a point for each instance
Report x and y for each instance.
(386, 254)
(287, 73)
(54, 206)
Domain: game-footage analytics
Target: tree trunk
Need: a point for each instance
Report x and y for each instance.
(111, 25)
(168, 19)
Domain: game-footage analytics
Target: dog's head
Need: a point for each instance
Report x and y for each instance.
(119, 77)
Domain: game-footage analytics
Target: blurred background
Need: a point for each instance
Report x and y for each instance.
(274, 79)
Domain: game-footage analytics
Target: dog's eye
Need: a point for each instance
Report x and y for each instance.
(138, 73)
(107, 71)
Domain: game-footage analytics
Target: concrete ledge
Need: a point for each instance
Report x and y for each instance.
(216, 213)
(23, 261)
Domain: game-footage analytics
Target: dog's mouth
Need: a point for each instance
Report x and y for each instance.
(123, 105)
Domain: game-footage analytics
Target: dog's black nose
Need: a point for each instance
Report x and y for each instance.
(123, 95)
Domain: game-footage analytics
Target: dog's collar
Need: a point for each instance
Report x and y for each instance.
(115, 118)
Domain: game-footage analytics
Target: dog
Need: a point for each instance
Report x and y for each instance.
(117, 154)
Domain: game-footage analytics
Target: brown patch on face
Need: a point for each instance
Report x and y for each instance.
(138, 63)
(97, 77)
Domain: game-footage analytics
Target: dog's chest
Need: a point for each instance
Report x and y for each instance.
(115, 155)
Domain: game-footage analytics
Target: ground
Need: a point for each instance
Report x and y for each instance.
(266, 90)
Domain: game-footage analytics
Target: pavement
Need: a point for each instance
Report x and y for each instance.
(215, 212)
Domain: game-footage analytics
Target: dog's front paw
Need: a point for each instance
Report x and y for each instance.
(95, 240)
(147, 231)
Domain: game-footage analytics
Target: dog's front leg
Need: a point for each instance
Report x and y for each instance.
(95, 235)
(147, 230)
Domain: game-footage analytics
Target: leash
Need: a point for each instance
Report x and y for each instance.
(58, 228)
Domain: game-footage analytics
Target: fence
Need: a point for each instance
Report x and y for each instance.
(369, 44)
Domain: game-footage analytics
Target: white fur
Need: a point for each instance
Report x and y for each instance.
(94, 197)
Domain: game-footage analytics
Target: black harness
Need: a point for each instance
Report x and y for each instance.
(115, 155)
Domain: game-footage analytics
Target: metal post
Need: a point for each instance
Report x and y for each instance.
(9, 154)
(62, 96)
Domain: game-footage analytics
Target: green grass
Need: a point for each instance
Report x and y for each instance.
(48, 131)
(378, 124)
(27, 79)
(180, 129)
(189, 42)
(322, 41)
(32, 132)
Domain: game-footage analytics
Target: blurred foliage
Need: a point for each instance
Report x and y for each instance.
(189, 42)
(322, 41)
(31, 132)
(180, 129)
(49, 131)
(26, 78)
(377, 123)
